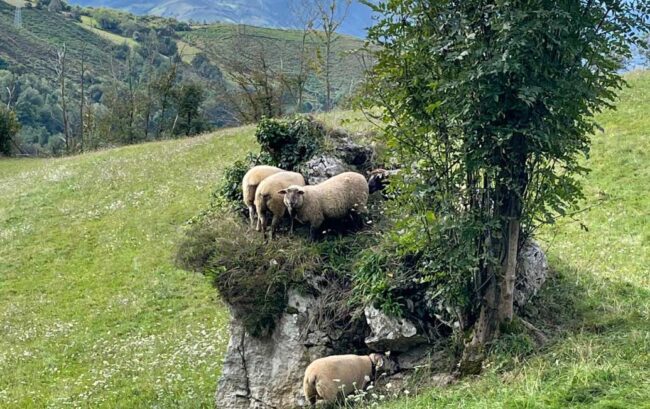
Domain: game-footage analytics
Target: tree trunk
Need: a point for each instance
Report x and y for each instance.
(82, 101)
(509, 276)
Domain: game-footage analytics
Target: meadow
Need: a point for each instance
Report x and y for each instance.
(93, 312)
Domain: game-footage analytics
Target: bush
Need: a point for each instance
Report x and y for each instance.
(251, 275)
(290, 142)
(229, 189)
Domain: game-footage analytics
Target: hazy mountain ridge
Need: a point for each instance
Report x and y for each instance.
(266, 13)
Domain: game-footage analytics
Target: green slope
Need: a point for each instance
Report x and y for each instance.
(93, 313)
(33, 48)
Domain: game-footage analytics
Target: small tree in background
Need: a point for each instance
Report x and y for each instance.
(9, 127)
(331, 14)
(490, 105)
(189, 99)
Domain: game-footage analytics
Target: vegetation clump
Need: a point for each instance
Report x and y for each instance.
(251, 275)
(290, 142)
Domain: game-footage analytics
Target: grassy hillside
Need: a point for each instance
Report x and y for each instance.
(93, 313)
(600, 355)
(33, 48)
(282, 48)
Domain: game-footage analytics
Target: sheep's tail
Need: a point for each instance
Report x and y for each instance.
(309, 387)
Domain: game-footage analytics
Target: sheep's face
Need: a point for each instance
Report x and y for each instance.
(293, 198)
(376, 181)
(383, 364)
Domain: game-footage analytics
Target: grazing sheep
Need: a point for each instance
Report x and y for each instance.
(267, 198)
(337, 376)
(251, 180)
(332, 199)
(378, 179)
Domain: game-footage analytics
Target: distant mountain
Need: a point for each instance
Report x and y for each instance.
(265, 13)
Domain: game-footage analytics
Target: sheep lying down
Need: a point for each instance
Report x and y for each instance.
(336, 376)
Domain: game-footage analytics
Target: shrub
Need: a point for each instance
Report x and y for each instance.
(251, 275)
(290, 142)
(228, 190)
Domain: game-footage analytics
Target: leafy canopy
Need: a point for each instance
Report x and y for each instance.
(489, 106)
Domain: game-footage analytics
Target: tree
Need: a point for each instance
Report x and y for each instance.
(251, 65)
(189, 99)
(306, 14)
(61, 73)
(331, 14)
(9, 127)
(490, 105)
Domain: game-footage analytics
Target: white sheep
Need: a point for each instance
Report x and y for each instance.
(337, 376)
(251, 180)
(333, 199)
(268, 198)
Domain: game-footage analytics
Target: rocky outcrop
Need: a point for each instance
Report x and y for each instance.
(532, 270)
(265, 373)
(344, 155)
(323, 167)
(390, 333)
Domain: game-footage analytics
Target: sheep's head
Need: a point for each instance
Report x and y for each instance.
(376, 180)
(383, 363)
(293, 198)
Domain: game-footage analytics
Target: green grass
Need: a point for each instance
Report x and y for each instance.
(187, 52)
(32, 48)
(92, 311)
(600, 356)
(90, 24)
(94, 314)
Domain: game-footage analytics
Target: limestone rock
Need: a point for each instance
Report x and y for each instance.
(323, 167)
(262, 373)
(360, 156)
(532, 270)
(390, 333)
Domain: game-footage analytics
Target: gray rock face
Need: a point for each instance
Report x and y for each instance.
(532, 270)
(321, 168)
(390, 333)
(263, 373)
(266, 373)
(360, 156)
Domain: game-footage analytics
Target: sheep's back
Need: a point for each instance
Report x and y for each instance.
(254, 177)
(348, 370)
(340, 193)
(278, 181)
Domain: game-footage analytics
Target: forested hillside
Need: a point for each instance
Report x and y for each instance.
(147, 77)
(275, 13)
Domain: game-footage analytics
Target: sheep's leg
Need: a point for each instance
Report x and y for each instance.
(314, 230)
(291, 229)
(262, 222)
(274, 223)
(251, 214)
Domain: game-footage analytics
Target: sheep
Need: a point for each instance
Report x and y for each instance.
(378, 179)
(337, 376)
(251, 180)
(331, 199)
(268, 198)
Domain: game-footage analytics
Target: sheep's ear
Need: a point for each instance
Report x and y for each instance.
(282, 192)
(380, 362)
